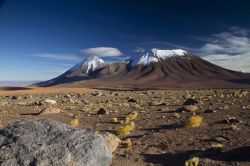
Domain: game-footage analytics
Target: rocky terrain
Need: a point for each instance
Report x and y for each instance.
(155, 126)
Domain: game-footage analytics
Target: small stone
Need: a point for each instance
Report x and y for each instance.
(131, 100)
(50, 110)
(3, 104)
(156, 104)
(67, 96)
(220, 139)
(102, 111)
(190, 101)
(23, 103)
(191, 108)
(49, 101)
(37, 103)
(188, 108)
(13, 97)
(111, 140)
(231, 120)
(72, 101)
(96, 93)
(209, 111)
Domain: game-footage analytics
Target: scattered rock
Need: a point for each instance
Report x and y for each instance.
(191, 108)
(220, 139)
(23, 103)
(50, 110)
(176, 115)
(190, 101)
(27, 97)
(72, 101)
(246, 107)
(209, 111)
(231, 120)
(47, 142)
(14, 97)
(4, 103)
(131, 100)
(188, 108)
(111, 140)
(37, 103)
(96, 93)
(67, 96)
(102, 111)
(226, 107)
(49, 101)
(156, 104)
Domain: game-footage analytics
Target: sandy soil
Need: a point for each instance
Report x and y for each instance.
(160, 136)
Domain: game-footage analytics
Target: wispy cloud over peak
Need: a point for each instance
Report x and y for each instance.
(66, 57)
(101, 51)
(229, 49)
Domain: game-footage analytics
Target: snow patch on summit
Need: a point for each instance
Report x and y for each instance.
(89, 64)
(163, 54)
(155, 55)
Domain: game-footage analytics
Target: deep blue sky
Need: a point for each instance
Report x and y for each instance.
(39, 37)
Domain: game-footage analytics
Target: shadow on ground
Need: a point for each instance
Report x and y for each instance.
(241, 154)
(165, 127)
(14, 88)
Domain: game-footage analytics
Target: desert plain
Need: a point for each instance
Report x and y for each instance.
(161, 135)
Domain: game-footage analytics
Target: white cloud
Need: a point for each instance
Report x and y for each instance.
(230, 50)
(67, 57)
(101, 51)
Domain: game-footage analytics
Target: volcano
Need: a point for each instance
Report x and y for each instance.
(156, 69)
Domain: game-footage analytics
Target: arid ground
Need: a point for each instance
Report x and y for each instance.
(161, 136)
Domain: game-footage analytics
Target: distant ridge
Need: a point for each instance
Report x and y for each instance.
(17, 83)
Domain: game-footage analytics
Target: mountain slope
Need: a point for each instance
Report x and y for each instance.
(157, 69)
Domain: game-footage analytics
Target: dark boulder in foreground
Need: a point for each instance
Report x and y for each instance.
(47, 142)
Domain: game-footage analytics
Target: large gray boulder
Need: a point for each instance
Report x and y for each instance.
(44, 142)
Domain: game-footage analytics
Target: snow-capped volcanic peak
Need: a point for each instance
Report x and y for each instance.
(163, 54)
(155, 55)
(89, 64)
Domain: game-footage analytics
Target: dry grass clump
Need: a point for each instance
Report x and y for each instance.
(194, 121)
(74, 122)
(114, 120)
(127, 143)
(217, 147)
(126, 129)
(132, 116)
(192, 162)
(129, 124)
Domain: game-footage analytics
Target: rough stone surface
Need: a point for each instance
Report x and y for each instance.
(111, 140)
(43, 142)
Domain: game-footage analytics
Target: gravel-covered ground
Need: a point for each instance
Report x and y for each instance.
(160, 136)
